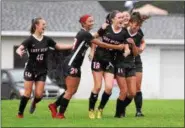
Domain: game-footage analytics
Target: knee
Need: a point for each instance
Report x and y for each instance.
(97, 89)
(69, 94)
(132, 94)
(108, 90)
(138, 88)
(27, 93)
(38, 94)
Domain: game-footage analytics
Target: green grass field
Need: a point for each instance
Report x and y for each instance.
(158, 113)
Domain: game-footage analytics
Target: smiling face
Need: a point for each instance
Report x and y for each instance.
(117, 20)
(126, 18)
(41, 26)
(88, 24)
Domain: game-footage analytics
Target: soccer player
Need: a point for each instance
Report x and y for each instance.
(74, 62)
(37, 46)
(139, 68)
(103, 61)
(127, 68)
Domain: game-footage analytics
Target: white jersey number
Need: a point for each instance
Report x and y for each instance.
(40, 57)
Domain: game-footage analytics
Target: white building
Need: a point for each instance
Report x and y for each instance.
(163, 59)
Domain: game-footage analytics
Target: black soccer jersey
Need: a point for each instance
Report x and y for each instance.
(81, 44)
(109, 36)
(137, 39)
(38, 52)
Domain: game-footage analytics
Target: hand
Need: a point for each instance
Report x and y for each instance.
(130, 40)
(104, 25)
(121, 47)
(20, 52)
(126, 53)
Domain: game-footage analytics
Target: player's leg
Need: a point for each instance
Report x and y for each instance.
(72, 86)
(28, 83)
(131, 85)
(108, 78)
(24, 99)
(120, 77)
(138, 98)
(97, 77)
(39, 89)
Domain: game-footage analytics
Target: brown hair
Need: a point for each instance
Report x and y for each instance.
(112, 15)
(33, 24)
(138, 18)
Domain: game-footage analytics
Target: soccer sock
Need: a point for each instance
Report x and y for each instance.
(58, 101)
(36, 100)
(119, 107)
(92, 100)
(63, 105)
(22, 105)
(138, 101)
(104, 100)
(127, 101)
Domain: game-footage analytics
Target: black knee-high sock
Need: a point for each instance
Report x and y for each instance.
(92, 100)
(119, 107)
(23, 103)
(104, 100)
(63, 105)
(127, 101)
(36, 100)
(138, 101)
(58, 101)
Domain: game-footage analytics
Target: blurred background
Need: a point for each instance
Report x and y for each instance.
(163, 58)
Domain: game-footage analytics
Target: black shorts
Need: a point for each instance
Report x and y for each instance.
(71, 70)
(139, 67)
(124, 70)
(31, 75)
(106, 66)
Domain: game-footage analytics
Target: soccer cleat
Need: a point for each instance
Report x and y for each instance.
(139, 114)
(20, 116)
(99, 113)
(92, 114)
(60, 116)
(32, 107)
(53, 109)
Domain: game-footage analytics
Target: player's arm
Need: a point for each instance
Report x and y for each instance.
(135, 50)
(20, 50)
(92, 50)
(106, 45)
(24, 45)
(142, 47)
(63, 46)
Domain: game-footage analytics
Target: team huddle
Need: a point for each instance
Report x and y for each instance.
(115, 55)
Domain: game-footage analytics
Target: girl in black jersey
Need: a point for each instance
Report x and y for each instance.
(126, 68)
(138, 64)
(36, 68)
(73, 64)
(103, 61)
